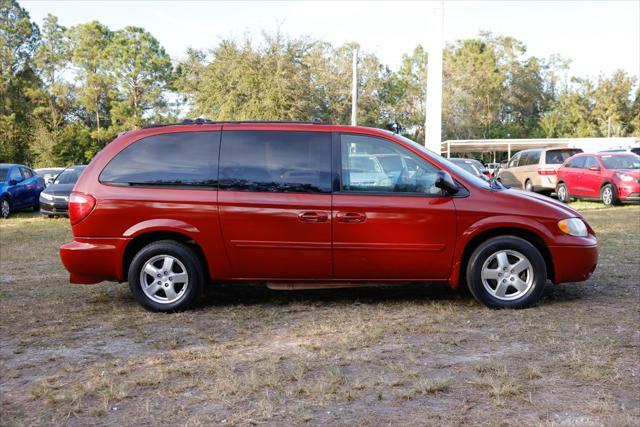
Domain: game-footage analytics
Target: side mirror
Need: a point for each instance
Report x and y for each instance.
(13, 182)
(446, 183)
(594, 168)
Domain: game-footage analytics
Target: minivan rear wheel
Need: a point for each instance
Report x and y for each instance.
(528, 185)
(166, 276)
(506, 272)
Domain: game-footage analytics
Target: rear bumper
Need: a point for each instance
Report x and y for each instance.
(573, 263)
(90, 260)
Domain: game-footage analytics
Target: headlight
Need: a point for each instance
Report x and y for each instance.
(46, 196)
(573, 227)
(624, 177)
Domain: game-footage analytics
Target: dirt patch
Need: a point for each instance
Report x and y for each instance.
(413, 355)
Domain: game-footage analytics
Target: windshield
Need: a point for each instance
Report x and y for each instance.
(630, 161)
(69, 176)
(3, 174)
(468, 176)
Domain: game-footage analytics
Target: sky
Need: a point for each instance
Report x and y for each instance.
(598, 37)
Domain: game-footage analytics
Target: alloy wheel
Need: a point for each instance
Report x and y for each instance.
(164, 279)
(507, 275)
(5, 208)
(562, 193)
(607, 196)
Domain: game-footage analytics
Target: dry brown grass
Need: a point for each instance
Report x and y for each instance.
(416, 355)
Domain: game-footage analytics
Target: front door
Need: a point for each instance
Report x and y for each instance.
(389, 220)
(591, 177)
(275, 203)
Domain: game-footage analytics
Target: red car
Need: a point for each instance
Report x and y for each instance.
(308, 205)
(611, 177)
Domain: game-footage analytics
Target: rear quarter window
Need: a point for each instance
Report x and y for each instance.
(173, 159)
(557, 157)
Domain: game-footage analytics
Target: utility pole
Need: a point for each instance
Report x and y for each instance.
(433, 122)
(354, 89)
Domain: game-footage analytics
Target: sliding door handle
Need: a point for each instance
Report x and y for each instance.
(313, 217)
(351, 217)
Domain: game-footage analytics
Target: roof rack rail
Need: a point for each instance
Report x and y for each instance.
(202, 121)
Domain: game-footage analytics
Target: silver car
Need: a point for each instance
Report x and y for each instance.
(535, 169)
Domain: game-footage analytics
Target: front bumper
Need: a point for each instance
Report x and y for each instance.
(93, 260)
(573, 263)
(54, 207)
(629, 193)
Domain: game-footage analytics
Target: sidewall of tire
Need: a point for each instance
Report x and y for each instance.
(489, 247)
(614, 195)
(566, 192)
(191, 262)
(9, 202)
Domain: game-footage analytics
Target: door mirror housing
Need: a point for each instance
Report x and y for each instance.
(594, 168)
(445, 182)
(13, 182)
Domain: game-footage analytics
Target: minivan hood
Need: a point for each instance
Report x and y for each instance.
(59, 189)
(549, 207)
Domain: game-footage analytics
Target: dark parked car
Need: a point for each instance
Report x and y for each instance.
(48, 174)
(612, 178)
(19, 188)
(54, 200)
(172, 208)
(473, 166)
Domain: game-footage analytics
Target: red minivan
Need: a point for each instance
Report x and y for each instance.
(308, 205)
(612, 178)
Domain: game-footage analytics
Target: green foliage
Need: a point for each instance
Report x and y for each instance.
(66, 92)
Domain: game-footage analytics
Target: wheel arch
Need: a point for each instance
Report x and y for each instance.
(523, 233)
(143, 239)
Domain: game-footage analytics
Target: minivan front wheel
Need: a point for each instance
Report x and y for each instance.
(608, 195)
(166, 276)
(507, 272)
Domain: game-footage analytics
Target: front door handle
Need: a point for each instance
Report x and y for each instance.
(313, 217)
(351, 217)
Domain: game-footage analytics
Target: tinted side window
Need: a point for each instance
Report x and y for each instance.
(556, 157)
(577, 162)
(372, 164)
(534, 157)
(524, 159)
(514, 161)
(26, 173)
(15, 175)
(173, 159)
(591, 161)
(298, 162)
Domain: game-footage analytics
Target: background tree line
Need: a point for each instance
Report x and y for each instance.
(66, 92)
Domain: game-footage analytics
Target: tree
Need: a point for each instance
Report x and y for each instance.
(90, 46)
(141, 71)
(18, 40)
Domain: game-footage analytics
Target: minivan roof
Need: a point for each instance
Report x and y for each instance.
(211, 122)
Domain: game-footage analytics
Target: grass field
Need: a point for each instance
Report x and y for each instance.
(419, 355)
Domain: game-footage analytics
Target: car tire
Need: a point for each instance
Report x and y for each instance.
(177, 280)
(528, 185)
(563, 193)
(5, 208)
(506, 272)
(608, 195)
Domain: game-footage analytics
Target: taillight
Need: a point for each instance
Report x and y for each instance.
(547, 171)
(80, 205)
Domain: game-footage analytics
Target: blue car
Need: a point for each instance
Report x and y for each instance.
(20, 188)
